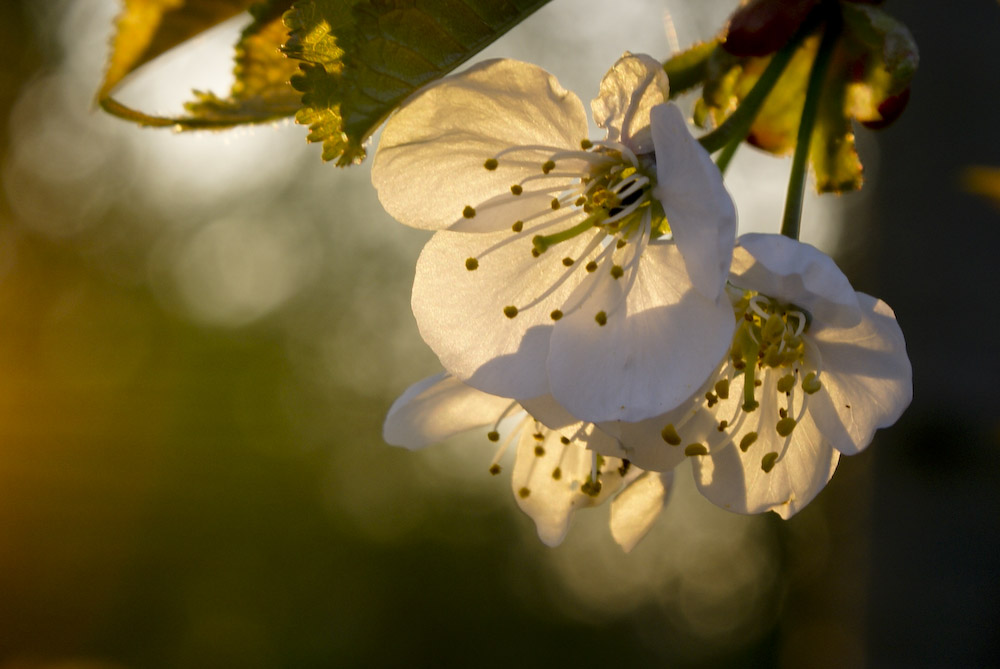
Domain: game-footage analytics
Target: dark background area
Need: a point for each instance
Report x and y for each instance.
(183, 490)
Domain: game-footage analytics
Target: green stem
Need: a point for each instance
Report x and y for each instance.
(723, 159)
(791, 220)
(739, 122)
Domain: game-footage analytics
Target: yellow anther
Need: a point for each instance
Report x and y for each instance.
(586, 144)
(768, 461)
(555, 203)
(617, 271)
(493, 435)
(491, 164)
(591, 266)
(811, 384)
(579, 201)
(723, 424)
(516, 189)
(518, 226)
(539, 451)
(523, 493)
(494, 469)
(565, 440)
(535, 253)
(471, 264)
(695, 449)
(712, 398)
(510, 311)
(669, 434)
(557, 473)
(548, 166)
(722, 389)
(591, 488)
(468, 212)
(785, 426)
(620, 244)
(556, 314)
(747, 441)
(538, 436)
(786, 383)
(567, 261)
(601, 318)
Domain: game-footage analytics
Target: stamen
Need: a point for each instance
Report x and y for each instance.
(747, 441)
(616, 271)
(510, 311)
(722, 389)
(811, 384)
(491, 164)
(785, 426)
(669, 434)
(543, 242)
(556, 314)
(695, 449)
(517, 189)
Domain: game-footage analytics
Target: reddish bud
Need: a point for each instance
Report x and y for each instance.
(761, 27)
(889, 109)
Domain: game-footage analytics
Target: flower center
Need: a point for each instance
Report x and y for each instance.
(549, 442)
(602, 191)
(770, 350)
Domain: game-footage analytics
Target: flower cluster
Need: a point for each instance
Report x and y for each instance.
(590, 300)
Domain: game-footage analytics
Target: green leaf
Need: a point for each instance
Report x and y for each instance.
(261, 92)
(363, 58)
(689, 68)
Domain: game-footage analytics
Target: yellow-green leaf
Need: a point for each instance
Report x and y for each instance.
(261, 92)
(363, 58)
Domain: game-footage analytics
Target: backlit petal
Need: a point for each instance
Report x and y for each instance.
(658, 345)
(700, 212)
(636, 507)
(430, 159)
(635, 84)
(867, 379)
(436, 408)
(796, 273)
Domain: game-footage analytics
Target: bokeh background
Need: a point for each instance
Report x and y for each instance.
(200, 335)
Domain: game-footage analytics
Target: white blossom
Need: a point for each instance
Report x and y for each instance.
(813, 370)
(593, 271)
(554, 471)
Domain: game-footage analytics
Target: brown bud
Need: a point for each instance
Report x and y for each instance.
(889, 109)
(761, 27)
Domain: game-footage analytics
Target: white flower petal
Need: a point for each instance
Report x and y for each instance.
(796, 273)
(550, 497)
(635, 84)
(430, 159)
(636, 507)
(867, 379)
(643, 443)
(436, 408)
(735, 480)
(657, 347)
(460, 313)
(700, 212)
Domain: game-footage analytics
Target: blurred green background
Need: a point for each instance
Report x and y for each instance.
(200, 335)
